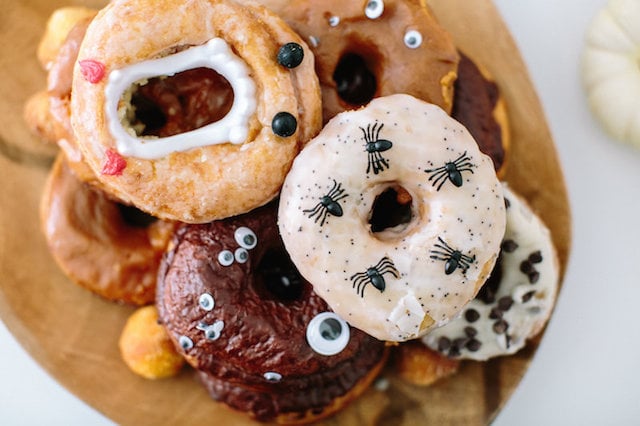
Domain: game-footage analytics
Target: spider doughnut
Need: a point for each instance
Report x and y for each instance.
(108, 248)
(371, 48)
(421, 216)
(515, 302)
(184, 109)
(262, 340)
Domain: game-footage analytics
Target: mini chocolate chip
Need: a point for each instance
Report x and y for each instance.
(535, 257)
(444, 343)
(527, 296)
(471, 315)
(509, 246)
(460, 342)
(284, 124)
(500, 326)
(505, 303)
(470, 331)
(534, 276)
(507, 203)
(454, 351)
(526, 267)
(290, 55)
(473, 345)
(496, 313)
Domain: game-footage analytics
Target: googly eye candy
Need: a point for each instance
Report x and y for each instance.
(374, 9)
(245, 238)
(328, 334)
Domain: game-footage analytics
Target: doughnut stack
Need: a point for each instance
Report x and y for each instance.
(287, 195)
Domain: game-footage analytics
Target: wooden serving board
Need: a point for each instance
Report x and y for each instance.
(73, 334)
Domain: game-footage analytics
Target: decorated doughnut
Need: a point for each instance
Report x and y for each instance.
(111, 249)
(610, 71)
(515, 302)
(395, 269)
(193, 110)
(146, 348)
(265, 343)
(478, 105)
(371, 48)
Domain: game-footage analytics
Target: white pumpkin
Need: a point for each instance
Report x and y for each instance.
(611, 69)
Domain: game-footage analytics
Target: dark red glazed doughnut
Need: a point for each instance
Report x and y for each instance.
(245, 325)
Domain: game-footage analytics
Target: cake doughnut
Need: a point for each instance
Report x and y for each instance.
(108, 248)
(515, 302)
(371, 48)
(395, 271)
(234, 116)
(264, 342)
(478, 105)
(146, 348)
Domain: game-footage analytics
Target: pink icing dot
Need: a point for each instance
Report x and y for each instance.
(114, 164)
(92, 71)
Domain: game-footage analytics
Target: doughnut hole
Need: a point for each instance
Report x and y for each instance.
(355, 76)
(134, 217)
(164, 106)
(277, 277)
(391, 213)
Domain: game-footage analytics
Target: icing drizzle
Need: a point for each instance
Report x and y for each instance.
(232, 128)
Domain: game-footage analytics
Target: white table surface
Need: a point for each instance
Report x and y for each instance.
(587, 370)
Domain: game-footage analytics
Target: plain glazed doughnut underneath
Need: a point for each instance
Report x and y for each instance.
(111, 249)
(394, 215)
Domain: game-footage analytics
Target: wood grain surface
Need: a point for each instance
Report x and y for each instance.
(73, 334)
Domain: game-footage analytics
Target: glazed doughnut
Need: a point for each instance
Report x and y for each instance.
(239, 311)
(146, 348)
(478, 105)
(60, 22)
(395, 277)
(516, 301)
(371, 48)
(108, 248)
(208, 168)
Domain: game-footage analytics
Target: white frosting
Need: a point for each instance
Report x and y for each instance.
(389, 284)
(233, 127)
(532, 295)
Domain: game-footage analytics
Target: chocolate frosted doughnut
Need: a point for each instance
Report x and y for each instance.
(516, 301)
(234, 303)
(477, 104)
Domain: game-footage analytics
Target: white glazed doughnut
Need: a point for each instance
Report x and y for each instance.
(398, 277)
(516, 302)
(611, 69)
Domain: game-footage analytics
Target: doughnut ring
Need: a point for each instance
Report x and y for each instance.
(394, 269)
(264, 342)
(103, 246)
(516, 301)
(372, 48)
(243, 144)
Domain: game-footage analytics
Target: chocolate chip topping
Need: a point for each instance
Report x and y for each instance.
(500, 327)
(505, 303)
(509, 246)
(535, 257)
(471, 315)
(527, 296)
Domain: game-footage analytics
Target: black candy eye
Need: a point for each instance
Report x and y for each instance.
(284, 124)
(290, 55)
(328, 334)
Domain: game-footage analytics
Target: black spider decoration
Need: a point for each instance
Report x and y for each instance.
(374, 276)
(454, 259)
(452, 171)
(328, 204)
(374, 146)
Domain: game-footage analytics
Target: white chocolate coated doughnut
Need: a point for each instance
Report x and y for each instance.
(400, 282)
(515, 306)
